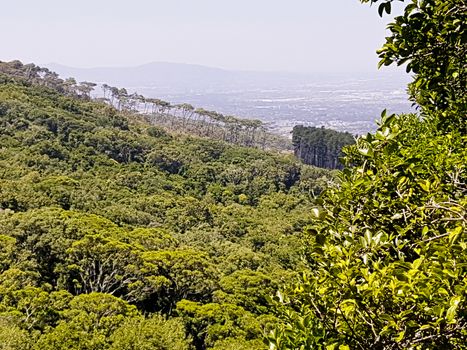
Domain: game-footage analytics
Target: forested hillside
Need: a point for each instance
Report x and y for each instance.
(180, 118)
(117, 235)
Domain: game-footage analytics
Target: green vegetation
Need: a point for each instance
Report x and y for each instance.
(430, 38)
(387, 249)
(115, 234)
(176, 118)
(319, 146)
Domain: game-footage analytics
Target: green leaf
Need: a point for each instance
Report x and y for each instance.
(455, 234)
(388, 8)
(316, 213)
(368, 152)
(451, 313)
(381, 9)
(400, 337)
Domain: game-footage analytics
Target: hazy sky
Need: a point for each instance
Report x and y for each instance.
(286, 35)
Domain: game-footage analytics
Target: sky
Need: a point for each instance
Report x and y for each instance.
(271, 35)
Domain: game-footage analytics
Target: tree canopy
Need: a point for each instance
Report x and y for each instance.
(116, 233)
(319, 146)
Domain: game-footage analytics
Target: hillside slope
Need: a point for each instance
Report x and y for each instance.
(105, 218)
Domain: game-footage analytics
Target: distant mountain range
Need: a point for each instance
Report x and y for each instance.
(345, 102)
(146, 75)
(177, 77)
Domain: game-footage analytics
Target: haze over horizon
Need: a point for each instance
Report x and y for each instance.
(264, 35)
(396, 71)
(309, 62)
(346, 102)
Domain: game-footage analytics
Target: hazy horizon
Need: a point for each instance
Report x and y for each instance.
(265, 35)
(350, 102)
(384, 70)
(220, 52)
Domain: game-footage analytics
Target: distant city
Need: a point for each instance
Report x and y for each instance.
(343, 102)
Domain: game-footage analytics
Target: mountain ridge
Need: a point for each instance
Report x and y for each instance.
(171, 72)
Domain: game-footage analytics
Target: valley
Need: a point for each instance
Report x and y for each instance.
(340, 101)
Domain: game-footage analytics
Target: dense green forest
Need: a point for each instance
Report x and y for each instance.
(319, 146)
(115, 234)
(123, 229)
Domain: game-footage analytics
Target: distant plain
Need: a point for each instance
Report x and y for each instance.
(344, 102)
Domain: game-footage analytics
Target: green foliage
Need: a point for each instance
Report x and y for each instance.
(387, 266)
(319, 146)
(214, 324)
(431, 39)
(387, 251)
(153, 333)
(12, 337)
(188, 274)
(107, 266)
(248, 289)
(105, 218)
(87, 323)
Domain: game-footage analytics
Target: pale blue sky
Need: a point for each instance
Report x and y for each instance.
(293, 35)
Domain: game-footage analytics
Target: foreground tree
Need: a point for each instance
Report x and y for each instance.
(387, 251)
(431, 39)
